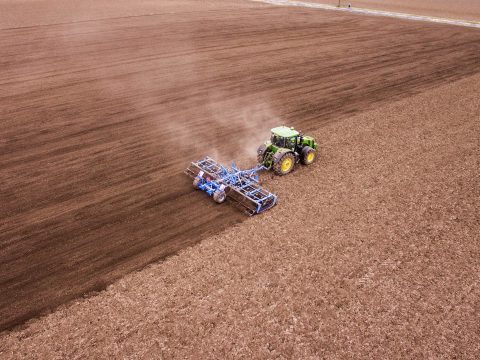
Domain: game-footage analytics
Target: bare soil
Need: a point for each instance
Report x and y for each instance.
(27, 13)
(373, 252)
(99, 118)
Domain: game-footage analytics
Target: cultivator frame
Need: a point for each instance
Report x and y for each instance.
(240, 186)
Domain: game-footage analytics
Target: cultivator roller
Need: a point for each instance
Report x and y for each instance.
(240, 186)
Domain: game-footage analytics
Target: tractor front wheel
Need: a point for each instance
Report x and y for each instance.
(308, 155)
(219, 196)
(284, 164)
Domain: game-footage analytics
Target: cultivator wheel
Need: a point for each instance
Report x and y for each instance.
(284, 164)
(308, 155)
(219, 196)
(196, 182)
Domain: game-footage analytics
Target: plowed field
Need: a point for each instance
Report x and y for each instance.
(99, 118)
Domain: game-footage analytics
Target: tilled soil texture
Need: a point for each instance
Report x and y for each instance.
(372, 253)
(27, 13)
(99, 119)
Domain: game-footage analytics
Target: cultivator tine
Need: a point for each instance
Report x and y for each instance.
(243, 203)
(209, 167)
(252, 198)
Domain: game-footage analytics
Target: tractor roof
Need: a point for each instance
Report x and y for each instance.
(284, 131)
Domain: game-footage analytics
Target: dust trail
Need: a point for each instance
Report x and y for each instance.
(243, 119)
(246, 121)
(249, 121)
(456, 22)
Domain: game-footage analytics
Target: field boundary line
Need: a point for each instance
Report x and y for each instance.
(364, 11)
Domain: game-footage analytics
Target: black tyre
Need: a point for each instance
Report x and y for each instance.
(262, 149)
(283, 164)
(196, 182)
(219, 196)
(308, 155)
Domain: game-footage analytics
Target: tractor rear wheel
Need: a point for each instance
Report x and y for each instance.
(219, 196)
(284, 164)
(308, 155)
(262, 149)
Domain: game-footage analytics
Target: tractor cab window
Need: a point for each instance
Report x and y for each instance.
(290, 142)
(278, 141)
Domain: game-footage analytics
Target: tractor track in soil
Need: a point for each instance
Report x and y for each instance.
(99, 119)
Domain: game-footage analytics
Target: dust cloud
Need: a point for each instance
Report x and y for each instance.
(250, 122)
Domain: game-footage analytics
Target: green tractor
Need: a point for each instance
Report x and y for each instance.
(285, 148)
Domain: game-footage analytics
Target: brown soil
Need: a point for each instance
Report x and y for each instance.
(373, 252)
(27, 13)
(99, 118)
(458, 9)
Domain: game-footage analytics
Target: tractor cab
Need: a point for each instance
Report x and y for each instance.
(284, 137)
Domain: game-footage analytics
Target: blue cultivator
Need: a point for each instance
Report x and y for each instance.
(241, 186)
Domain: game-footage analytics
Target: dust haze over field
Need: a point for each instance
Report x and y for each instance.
(100, 118)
